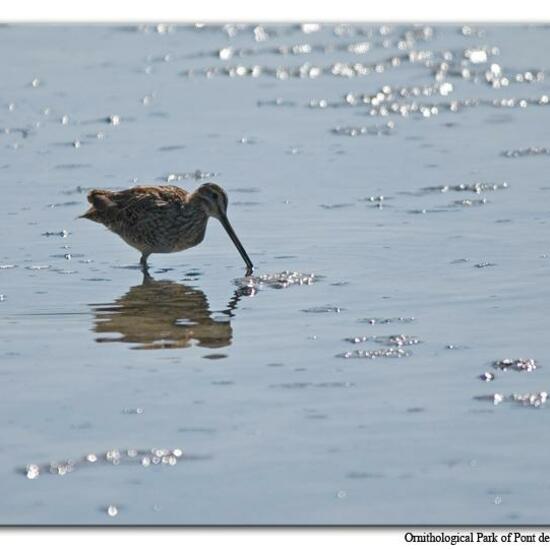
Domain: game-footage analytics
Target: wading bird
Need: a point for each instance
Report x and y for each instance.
(162, 219)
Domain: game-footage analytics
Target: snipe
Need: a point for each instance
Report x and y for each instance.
(162, 219)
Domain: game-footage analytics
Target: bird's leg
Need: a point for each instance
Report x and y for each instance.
(144, 267)
(146, 277)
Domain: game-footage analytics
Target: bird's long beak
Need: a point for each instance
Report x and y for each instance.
(227, 226)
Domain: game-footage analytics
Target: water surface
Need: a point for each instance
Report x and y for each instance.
(404, 166)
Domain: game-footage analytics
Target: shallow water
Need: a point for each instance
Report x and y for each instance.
(404, 167)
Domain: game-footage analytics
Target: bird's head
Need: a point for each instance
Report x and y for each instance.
(213, 200)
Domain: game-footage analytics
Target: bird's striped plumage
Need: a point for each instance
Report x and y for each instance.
(161, 219)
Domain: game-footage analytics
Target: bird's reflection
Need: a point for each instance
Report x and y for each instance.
(165, 314)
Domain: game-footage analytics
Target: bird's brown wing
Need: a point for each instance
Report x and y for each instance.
(133, 205)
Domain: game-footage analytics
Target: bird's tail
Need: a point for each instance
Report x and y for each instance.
(101, 201)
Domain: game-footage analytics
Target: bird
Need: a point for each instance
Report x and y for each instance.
(162, 219)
